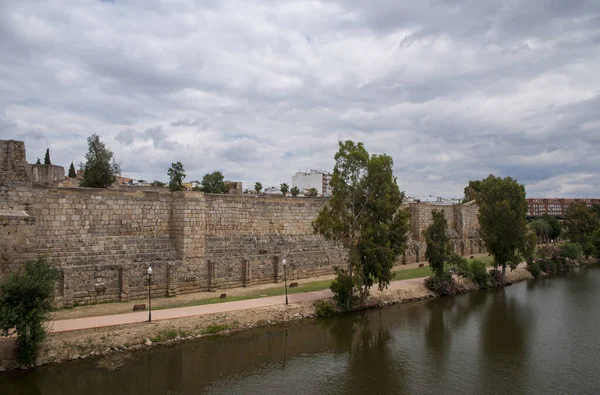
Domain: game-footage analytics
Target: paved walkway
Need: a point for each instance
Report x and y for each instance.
(182, 312)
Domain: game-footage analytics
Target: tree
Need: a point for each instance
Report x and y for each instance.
(295, 191)
(472, 190)
(72, 172)
(156, 183)
(100, 168)
(176, 175)
(258, 187)
(284, 188)
(541, 228)
(555, 226)
(596, 208)
(39, 162)
(502, 213)
(47, 157)
(365, 215)
(580, 223)
(25, 303)
(595, 243)
(438, 249)
(213, 183)
(313, 192)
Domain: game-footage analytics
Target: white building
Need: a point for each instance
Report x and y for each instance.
(320, 180)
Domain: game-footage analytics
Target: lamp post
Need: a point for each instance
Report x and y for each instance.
(149, 295)
(285, 279)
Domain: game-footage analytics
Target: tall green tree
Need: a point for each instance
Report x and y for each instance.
(555, 226)
(502, 213)
(72, 172)
(25, 302)
(284, 188)
(541, 228)
(100, 168)
(213, 183)
(176, 175)
(47, 157)
(580, 222)
(472, 190)
(258, 187)
(365, 215)
(437, 240)
(295, 191)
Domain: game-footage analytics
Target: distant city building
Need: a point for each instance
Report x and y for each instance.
(555, 207)
(320, 180)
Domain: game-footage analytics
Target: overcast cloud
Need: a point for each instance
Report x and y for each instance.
(453, 90)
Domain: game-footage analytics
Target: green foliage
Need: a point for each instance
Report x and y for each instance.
(555, 226)
(534, 268)
(164, 334)
(438, 243)
(365, 214)
(39, 162)
(344, 291)
(461, 265)
(215, 328)
(479, 273)
(156, 183)
(324, 309)
(542, 229)
(47, 157)
(295, 191)
(100, 168)
(580, 222)
(213, 183)
(502, 212)
(176, 175)
(472, 190)
(595, 243)
(25, 303)
(571, 250)
(258, 187)
(72, 172)
(284, 188)
(442, 285)
(530, 247)
(313, 192)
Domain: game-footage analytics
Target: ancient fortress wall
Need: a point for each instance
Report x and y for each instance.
(104, 239)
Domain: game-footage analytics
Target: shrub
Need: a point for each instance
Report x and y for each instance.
(215, 328)
(460, 264)
(547, 265)
(534, 269)
(442, 285)
(324, 309)
(344, 291)
(25, 302)
(571, 250)
(479, 273)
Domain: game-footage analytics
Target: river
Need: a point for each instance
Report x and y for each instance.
(536, 337)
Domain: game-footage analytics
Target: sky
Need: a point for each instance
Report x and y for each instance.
(452, 90)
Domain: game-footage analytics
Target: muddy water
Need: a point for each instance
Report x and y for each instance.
(538, 337)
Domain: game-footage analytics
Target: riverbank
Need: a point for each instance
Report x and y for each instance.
(115, 343)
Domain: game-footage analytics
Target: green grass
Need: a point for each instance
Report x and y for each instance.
(215, 328)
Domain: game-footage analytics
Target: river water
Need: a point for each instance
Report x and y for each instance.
(537, 337)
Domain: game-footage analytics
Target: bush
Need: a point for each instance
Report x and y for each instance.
(442, 285)
(571, 251)
(547, 265)
(343, 289)
(25, 303)
(324, 309)
(479, 273)
(460, 264)
(534, 269)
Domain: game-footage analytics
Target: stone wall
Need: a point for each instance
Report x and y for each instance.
(47, 174)
(104, 240)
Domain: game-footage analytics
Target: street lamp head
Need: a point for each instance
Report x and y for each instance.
(150, 271)
(284, 262)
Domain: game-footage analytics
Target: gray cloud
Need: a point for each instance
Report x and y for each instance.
(452, 90)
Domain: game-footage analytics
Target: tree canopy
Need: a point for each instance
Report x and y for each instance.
(365, 215)
(313, 192)
(542, 229)
(176, 175)
(437, 240)
(555, 226)
(47, 157)
(100, 168)
(72, 172)
(295, 191)
(258, 187)
(472, 190)
(284, 188)
(213, 183)
(580, 222)
(502, 213)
